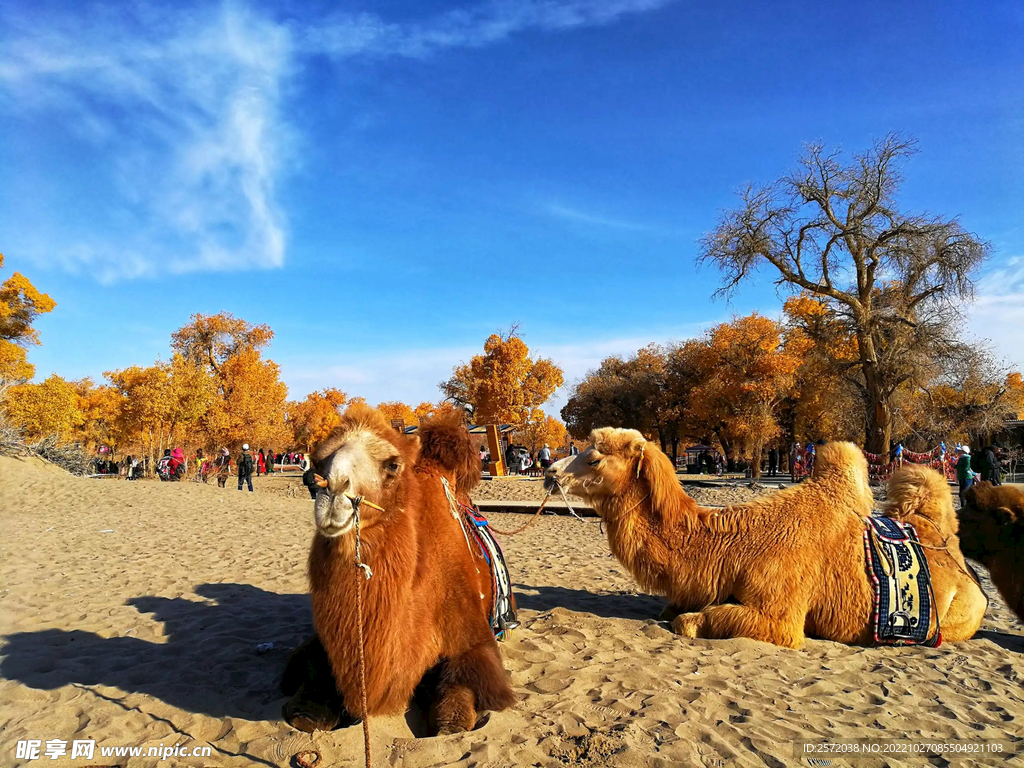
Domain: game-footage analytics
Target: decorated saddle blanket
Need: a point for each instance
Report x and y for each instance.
(503, 609)
(903, 594)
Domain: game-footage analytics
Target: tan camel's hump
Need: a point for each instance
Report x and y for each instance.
(841, 459)
(916, 489)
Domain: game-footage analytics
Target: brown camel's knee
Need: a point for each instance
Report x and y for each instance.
(314, 703)
(454, 711)
(480, 670)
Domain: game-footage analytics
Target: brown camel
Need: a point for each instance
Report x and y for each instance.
(780, 568)
(992, 532)
(426, 608)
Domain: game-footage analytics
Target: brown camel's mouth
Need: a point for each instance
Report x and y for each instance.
(334, 515)
(332, 531)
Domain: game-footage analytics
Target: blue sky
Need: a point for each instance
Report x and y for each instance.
(388, 183)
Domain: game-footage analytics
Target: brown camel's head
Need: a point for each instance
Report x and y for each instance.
(363, 458)
(617, 462)
(991, 521)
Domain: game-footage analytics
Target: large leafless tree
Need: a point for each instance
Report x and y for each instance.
(833, 228)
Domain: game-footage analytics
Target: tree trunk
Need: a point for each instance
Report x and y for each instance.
(755, 462)
(878, 421)
(878, 425)
(730, 461)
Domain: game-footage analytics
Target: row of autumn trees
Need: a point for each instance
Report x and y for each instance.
(217, 390)
(757, 381)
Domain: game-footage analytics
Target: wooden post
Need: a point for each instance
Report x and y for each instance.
(497, 466)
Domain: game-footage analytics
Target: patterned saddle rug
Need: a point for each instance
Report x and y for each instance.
(473, 524)
(503, 609)
(904, 597)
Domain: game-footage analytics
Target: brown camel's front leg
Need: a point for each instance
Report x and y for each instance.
(472, 681)
(315, 704)
(719, 622)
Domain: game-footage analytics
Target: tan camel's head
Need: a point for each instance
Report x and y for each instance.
(362, 458)
(991, 520)
(617, 462)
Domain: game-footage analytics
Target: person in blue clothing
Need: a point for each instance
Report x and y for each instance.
(964, 474)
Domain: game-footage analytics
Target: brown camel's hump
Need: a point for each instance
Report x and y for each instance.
(918, 489)
(986, 497)
(446, 442)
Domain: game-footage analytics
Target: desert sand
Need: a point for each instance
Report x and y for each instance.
(130, 614)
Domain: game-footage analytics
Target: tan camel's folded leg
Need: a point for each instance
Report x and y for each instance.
(720, 622)
(965, 614)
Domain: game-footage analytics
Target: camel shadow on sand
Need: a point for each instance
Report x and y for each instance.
(208, 665)
(613, 605)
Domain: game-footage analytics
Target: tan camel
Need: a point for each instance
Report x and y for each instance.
(426, 608)
(992, 532)
(780, 568)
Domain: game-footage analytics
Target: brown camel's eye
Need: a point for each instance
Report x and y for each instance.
(593, 463)
(391, 465)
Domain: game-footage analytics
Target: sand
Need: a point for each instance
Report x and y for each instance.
(130, 614)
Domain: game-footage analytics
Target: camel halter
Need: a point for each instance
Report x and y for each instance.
(357, 502)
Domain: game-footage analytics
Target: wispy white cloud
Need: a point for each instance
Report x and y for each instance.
(185, 111)
(347, 35)
(575, 215)
(998, 311)
(185, 108)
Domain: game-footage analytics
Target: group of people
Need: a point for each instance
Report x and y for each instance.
(986, 465)
(172, 466)
(518, 460)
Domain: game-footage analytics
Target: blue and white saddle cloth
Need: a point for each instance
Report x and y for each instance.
(503, 609)
(904, 598)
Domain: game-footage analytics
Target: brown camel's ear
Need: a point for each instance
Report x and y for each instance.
(1004, 516)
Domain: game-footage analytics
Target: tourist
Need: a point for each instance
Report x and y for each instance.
(223, 467)
(990, 465)
(573, 450)
(177, 465)
(964, 474)
(270, 461)
(261, 463)
(773, 461)
(309, 477)
(510, 459)
(245, 467)
(202, 466)
(544, 456)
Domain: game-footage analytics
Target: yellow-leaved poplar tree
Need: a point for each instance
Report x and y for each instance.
(504, 385)
(50, 408)
(312, 419)
(20, 304)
